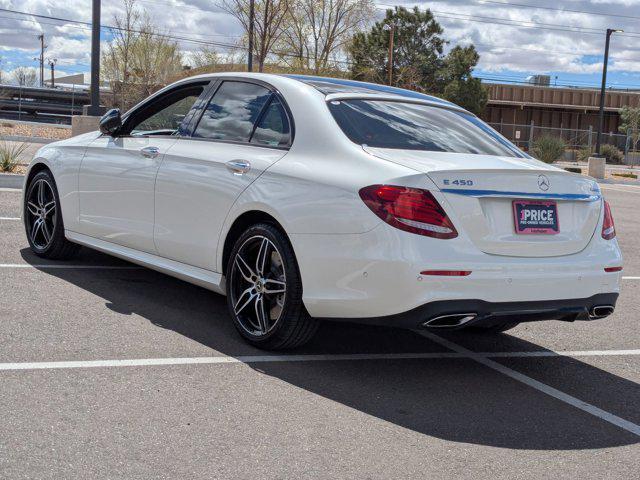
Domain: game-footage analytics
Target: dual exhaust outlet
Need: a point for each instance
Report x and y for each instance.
(453, 320)
(600, 311)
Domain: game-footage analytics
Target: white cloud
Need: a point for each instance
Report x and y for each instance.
(513, 48)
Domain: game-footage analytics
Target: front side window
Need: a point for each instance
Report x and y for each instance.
(165, 115)
(410, 126)
(232, 112)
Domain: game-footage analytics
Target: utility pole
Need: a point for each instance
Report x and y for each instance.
(94, 108)
(251, 21)
(392, 32)
(52, 64)
(610, 31)
(42, 47)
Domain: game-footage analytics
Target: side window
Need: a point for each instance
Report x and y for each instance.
(232, 112)
(164, 116)
(273, 129)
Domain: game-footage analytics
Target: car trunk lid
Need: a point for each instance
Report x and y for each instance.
(481, 189)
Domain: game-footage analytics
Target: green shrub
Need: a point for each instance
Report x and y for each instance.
(584, 154)
(548, 148)
(9, 153)
(611, 153)
(626, 175)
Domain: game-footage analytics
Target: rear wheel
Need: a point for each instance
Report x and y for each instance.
(264, 291)
(43, 219)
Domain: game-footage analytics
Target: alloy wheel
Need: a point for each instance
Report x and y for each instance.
(258, 285)
(41, 211)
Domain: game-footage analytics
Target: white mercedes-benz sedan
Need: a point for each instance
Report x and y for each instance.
(305, 198)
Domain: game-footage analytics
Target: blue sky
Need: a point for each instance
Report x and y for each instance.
(516, 38)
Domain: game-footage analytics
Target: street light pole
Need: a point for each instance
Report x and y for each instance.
(251, 21)
(94, 108)
(391, 38)
(610, 31)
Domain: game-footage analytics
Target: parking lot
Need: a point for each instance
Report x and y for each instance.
(108, 370)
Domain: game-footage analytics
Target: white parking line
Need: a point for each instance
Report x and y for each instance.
(81, 267)
(10, 190)
(145, 362)
(631, 278)
(541, 387)
(9, 218)
(137, 362)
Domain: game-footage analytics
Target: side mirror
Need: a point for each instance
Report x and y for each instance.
(111, 122)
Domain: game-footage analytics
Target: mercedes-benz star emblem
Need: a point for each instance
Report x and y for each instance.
(543, 183)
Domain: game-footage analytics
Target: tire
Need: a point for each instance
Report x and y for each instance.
(498, 328)
(43, 219)
(264, 291)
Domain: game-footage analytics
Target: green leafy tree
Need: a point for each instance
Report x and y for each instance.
(630, 117)
(419, 62)
(417, 52)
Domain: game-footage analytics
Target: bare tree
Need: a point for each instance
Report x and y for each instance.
(269, 24)
(317, 30)
(25, 76)
(205, 57)
(139, 59)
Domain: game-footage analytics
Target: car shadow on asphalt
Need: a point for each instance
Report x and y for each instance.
(452, 399)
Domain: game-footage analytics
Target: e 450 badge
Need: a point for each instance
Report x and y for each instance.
(460, 182)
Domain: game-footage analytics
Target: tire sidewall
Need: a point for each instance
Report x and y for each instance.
(293, 297)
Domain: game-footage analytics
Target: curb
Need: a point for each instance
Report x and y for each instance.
(24, 139)
(8, 180)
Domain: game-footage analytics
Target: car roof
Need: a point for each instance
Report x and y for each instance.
(328, 86)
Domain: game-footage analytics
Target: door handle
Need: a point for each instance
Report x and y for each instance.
(150, 152)
(238, 167)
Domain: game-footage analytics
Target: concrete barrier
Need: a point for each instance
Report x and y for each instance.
(596, 167)
(83, 124)
(8, 180)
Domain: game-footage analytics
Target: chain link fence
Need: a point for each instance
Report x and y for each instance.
(575, 140)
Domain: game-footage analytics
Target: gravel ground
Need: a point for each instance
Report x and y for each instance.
(7, 127)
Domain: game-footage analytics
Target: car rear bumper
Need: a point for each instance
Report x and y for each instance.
(378, 273)
(443, 314)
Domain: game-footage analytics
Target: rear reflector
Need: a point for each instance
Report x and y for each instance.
(608, 227)
(612, 269)
(409, 209)
(447, 273)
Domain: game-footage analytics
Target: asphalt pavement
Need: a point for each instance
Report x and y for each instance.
(108, 370)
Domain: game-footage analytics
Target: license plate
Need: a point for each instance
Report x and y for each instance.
(536, 217)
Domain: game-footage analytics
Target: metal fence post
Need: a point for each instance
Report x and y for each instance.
(20, 103)
(531, 135)
(590, 137)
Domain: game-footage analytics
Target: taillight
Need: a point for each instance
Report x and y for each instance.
(608, 228)
(409, 209)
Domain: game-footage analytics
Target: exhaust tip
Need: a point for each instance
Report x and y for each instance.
(450, 320)
(601, 311)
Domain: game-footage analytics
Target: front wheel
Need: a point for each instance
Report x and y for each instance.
(43, 219)
(264, 290)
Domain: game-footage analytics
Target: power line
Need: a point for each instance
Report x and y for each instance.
(520, 23)
(539, 7)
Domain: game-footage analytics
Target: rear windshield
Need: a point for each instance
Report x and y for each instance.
(389, 124)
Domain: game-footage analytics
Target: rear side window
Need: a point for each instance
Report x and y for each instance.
(273, 128)
(411, 126)
(232, 112)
